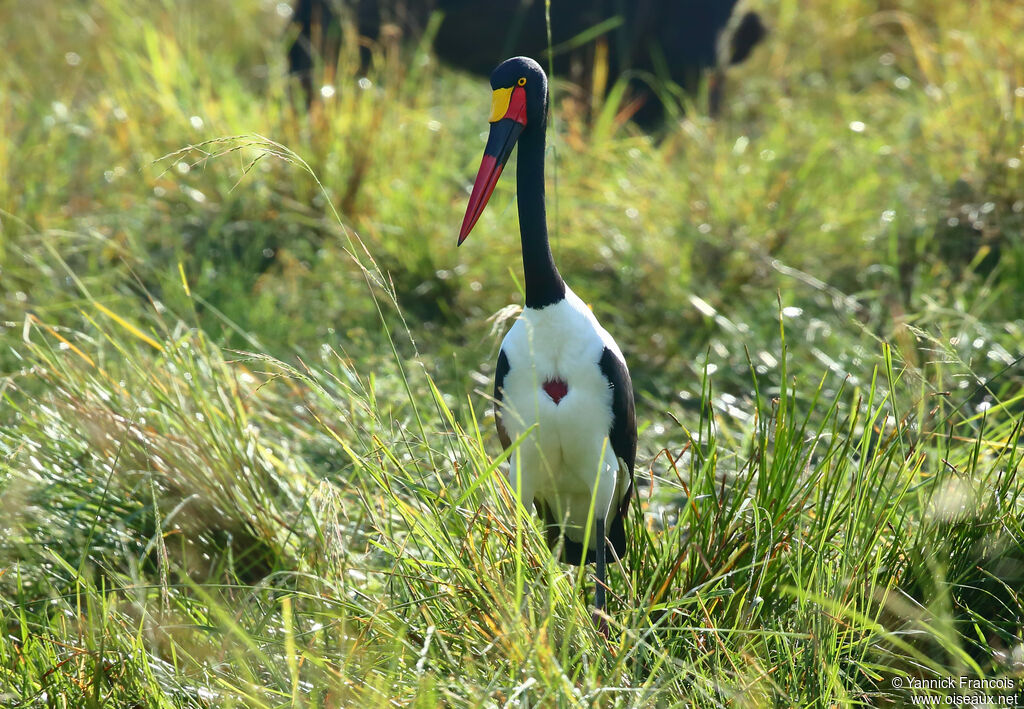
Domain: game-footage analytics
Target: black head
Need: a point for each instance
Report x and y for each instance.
(519, 103)
(525, 72)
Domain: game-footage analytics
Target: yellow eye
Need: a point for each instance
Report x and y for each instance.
(522, 81)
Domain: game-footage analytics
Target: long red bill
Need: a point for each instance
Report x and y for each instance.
(486, 179)
(500, 142)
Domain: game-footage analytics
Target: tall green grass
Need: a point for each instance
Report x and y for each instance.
(246, 450)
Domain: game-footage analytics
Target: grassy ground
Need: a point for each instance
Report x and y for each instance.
(246, 453)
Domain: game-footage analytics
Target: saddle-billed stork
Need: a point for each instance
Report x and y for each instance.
(558, 368)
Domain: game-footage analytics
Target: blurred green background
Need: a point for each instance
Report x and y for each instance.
(236, 336)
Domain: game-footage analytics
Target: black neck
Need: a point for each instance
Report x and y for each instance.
(544, 285)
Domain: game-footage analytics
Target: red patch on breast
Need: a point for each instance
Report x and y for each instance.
(556, 389)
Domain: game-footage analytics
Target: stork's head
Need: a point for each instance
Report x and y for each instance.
(519, 103)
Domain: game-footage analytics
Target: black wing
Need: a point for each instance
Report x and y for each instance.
(622, 437)
(499, 382)
(622, 434)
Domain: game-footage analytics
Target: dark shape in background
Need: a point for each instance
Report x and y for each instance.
(649, 41)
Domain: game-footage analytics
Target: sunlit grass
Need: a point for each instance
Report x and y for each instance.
(246, 449)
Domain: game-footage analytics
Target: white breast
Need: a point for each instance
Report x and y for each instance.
(568, 452)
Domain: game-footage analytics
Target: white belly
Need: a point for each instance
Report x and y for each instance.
(566, 461)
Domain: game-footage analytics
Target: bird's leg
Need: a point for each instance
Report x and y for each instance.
(599, 603)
